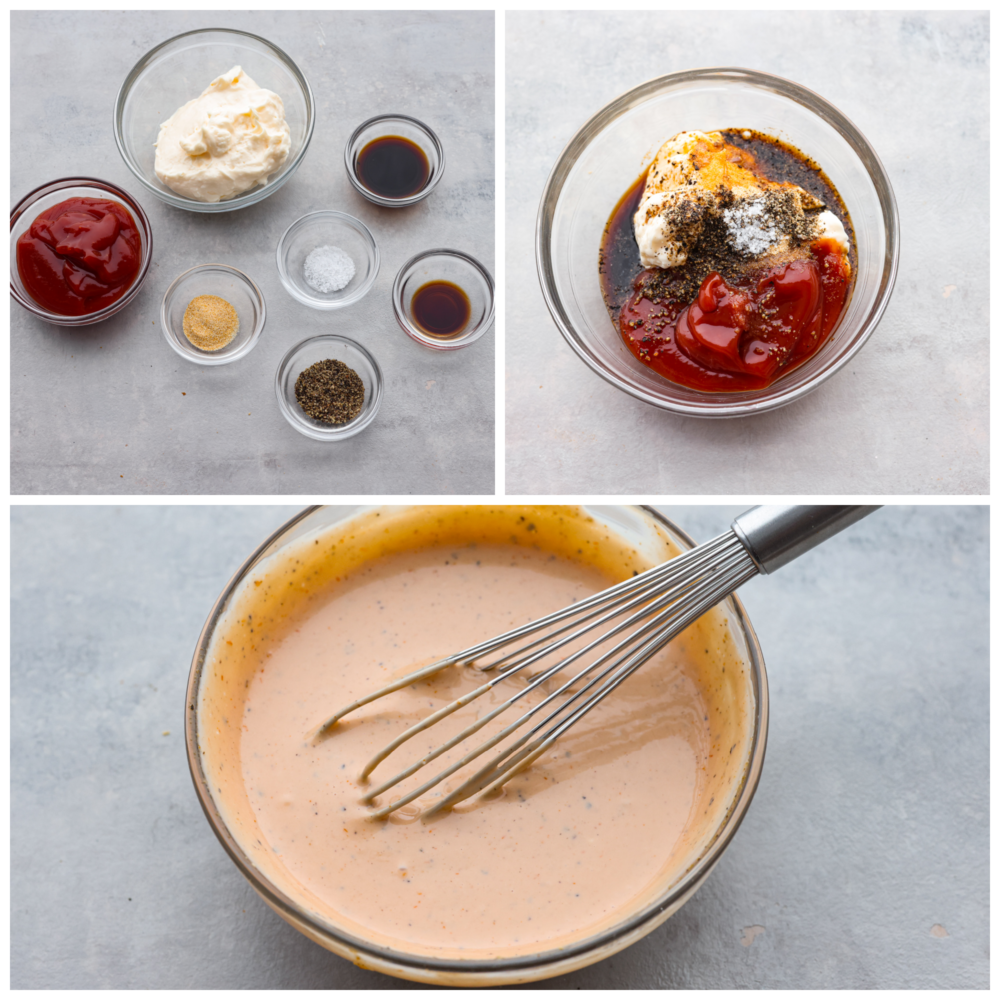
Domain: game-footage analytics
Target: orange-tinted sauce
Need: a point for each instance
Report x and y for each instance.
(620, 806)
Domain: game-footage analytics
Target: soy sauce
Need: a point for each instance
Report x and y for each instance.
(393, 167)
(440, 309)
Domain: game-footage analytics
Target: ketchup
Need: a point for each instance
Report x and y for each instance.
(745, 336)
(79, 256)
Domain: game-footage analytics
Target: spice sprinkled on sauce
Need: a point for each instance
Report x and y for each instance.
(330, 391)
(729, 262)
(210, 322)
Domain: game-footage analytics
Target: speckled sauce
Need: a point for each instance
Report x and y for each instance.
(612, 811)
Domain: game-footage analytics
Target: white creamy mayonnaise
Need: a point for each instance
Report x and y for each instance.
(230, 138)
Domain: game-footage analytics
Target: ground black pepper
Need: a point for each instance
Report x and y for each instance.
(330, 391)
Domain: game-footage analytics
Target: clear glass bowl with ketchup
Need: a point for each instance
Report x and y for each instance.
(603, 160)
(80, 250)
(177, 71)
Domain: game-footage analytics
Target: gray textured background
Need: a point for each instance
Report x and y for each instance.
(100, 410)
(910, 413)
(870, 827)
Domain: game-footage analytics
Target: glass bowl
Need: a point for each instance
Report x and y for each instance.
(33, 204)
(409, 128)
(324, 347)
(444, 265)
(327, 229)
(606, 156)
(177, 71)
(642, 528)
(229, 284)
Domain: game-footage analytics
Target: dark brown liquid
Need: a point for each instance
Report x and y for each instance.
(393, 167)
(441, 309)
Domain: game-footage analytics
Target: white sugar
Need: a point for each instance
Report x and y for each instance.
(751, 228)
(328, 269)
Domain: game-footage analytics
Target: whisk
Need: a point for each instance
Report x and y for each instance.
(643, 614)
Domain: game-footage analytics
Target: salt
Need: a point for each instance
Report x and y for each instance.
(328, 269)
(751, 228)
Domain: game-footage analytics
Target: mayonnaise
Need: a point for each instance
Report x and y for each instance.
(230, 138)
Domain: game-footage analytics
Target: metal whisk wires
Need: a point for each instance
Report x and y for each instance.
(646, 612)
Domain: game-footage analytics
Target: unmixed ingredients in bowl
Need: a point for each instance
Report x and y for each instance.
(210, 322)
(614, 815)
(229, 139)
(728, 263)
(330, 391)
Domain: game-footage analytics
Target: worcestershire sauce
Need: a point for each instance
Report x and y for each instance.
(441, 309)
(393, 167)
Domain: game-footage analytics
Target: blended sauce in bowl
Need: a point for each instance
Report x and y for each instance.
(604, 824)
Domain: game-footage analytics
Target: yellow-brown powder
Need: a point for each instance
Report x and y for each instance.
(210, 322)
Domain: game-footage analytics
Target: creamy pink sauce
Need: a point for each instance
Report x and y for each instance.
(612, 812)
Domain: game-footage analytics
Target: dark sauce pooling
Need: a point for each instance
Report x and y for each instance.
(393, 167)
(441, 309)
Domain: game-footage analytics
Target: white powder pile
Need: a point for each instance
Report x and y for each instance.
(751, 228)
(328, 269)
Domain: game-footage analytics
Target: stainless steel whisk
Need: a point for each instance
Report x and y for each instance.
(657, 606)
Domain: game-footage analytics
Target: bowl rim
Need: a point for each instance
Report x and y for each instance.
(412, 331)
(483, 971)
(337, 432)
(813, 102)
(360, 292)
(250, 344)
(258, 191)
(60, 184)
(378, 199)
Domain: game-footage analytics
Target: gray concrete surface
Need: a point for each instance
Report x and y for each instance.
(863, 860)
(103, 410)
(909, 414)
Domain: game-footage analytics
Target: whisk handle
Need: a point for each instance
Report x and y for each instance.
(775, 535)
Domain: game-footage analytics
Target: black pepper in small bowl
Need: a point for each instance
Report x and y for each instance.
(330, 391)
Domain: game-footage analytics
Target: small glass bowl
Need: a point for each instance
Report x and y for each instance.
(33, 204)
(605, 157)
(444, 265)
(325, 347)
(409, 128)
(320, 229)
(229, 284)
(176, 72)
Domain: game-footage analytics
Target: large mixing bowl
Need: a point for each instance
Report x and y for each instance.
(605, 157)
(642, 528)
